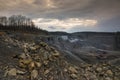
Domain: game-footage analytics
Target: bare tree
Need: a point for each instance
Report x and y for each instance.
(18, 23)
(3, 20)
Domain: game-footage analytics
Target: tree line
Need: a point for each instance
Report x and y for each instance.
(17, 23)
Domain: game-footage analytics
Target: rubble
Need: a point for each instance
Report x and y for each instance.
(39, 61)
(11, 72)
(47, 63)
(34, 74)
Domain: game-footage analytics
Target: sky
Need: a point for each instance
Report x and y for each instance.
(67, 15)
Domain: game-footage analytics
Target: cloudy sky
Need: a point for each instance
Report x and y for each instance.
(67, 15)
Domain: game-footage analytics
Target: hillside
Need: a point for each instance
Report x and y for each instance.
(25, 56)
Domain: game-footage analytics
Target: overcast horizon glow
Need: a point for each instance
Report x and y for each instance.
(63, 25)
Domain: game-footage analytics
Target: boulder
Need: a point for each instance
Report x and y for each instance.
(11, 72)
(72, 70)
(34, 74)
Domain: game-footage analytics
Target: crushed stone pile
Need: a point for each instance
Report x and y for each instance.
(42, 62)
(39, 61)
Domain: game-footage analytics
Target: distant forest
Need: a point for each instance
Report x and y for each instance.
(18, 23)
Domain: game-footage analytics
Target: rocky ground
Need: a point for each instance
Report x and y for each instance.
(31, 60)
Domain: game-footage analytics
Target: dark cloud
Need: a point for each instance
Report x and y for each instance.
(52, 27)
(105, 12)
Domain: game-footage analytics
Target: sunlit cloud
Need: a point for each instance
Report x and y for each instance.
(59, 25)
(29, 1)
(50, 4)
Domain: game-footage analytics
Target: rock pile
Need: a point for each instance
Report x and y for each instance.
(39, 61)
(34, 58)
(42, 62)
